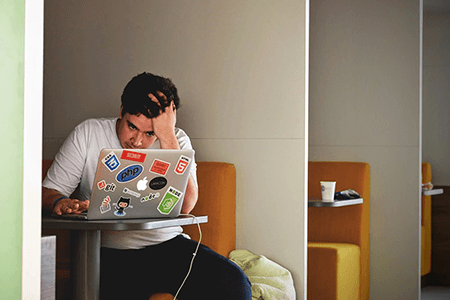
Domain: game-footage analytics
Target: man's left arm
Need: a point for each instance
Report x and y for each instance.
(191, 196)
(164, 128)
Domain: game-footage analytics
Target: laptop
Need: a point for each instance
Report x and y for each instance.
(133, 184)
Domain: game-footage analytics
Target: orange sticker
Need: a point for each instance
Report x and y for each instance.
(159, 167)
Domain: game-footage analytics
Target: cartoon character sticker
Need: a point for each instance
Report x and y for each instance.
(182, 164)
(106, 205)
(111, 161)
(159, 167)
(121, 205)
(169, 200)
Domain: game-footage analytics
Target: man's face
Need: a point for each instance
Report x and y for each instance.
(135, 131)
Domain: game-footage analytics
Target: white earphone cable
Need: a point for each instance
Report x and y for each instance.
(193, 255)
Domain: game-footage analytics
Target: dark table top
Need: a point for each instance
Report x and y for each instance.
(130, 224)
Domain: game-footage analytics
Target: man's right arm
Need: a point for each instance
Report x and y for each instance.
(64, 206)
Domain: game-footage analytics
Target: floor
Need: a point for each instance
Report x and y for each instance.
(436, 293)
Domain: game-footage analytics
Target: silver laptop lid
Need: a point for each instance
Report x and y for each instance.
(140, 183)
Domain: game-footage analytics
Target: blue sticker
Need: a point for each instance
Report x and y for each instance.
(111, 161)
(129, 173)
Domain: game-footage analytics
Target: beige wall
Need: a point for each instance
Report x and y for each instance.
(241, 72)
(436, 93)
(365, 106)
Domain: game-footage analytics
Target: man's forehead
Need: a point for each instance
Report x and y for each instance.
(140, 121)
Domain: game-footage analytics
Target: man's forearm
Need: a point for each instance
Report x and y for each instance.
(48, 197)
(190, 197)
(169, 142)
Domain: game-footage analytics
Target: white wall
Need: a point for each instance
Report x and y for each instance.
(365, 106)
(241, 70)
(436, 94)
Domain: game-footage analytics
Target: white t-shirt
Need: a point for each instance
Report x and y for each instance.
(75, 165)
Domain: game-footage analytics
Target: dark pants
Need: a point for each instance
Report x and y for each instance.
(137, 274)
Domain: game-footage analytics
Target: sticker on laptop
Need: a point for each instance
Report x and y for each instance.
(151, 196)
(129, 173)
(101, 184)
(157, 183)
(142, 184)
(169, 200)
(106, 205)
(130, 192)
(133, 156)
(159, 167)
(108, 187)
(121, 205)
(182, 164)
(111, 161)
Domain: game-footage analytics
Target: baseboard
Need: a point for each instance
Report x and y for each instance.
(435, 279)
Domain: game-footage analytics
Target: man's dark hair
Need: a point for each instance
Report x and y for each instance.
(135, 98)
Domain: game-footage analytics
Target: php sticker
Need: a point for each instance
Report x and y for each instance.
(106, 205)
(182, 164)
(169, 201)
(129, 173)
(133, 156)
(159, 167)
(111, 161)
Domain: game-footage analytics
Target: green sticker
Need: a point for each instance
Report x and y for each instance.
(169, 200)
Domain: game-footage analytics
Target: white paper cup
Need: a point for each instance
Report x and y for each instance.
(328, 188)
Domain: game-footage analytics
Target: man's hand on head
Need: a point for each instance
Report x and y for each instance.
(70, 206)
(164, 123)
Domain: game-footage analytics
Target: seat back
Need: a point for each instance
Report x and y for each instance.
(349, 224)
(426, 224)
(217, 200)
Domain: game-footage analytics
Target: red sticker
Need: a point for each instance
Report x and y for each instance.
(106, 200)
(160, 167)
(101, 185)
(134, 156)
(182, 164)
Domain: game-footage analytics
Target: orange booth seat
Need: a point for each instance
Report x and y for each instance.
(217, 200)
(338, 237)
(426, 224)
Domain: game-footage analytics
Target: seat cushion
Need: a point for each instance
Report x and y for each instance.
(333, 271)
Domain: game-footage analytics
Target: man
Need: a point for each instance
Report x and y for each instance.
(136, 264)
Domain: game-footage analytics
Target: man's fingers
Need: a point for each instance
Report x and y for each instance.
(160, 99)
(71, 206)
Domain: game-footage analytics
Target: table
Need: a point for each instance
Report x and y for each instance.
(432, 192)
(317, 202)
(85, 238)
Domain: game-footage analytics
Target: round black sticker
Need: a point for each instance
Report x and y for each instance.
(157, 183)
